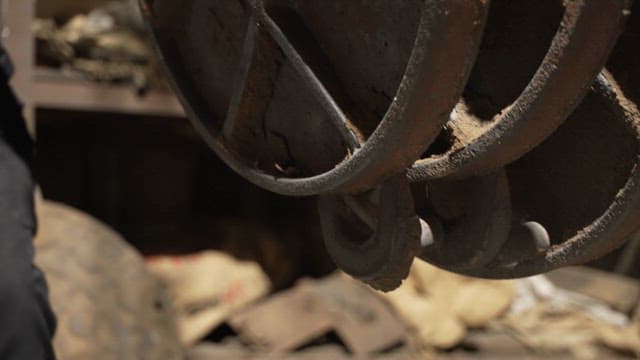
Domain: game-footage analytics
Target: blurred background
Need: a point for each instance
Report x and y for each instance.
(154, 249)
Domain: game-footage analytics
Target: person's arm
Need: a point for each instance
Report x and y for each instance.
(27, 323)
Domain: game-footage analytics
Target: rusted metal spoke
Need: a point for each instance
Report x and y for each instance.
(254, 88)
(313, 69)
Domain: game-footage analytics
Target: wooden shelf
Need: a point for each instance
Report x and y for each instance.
(54, 91)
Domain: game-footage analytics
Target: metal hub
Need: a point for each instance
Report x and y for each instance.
(374, 236)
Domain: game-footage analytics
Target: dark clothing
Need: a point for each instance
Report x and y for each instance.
(26, 321)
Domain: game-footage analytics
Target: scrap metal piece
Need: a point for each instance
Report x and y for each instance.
(374, 240)
(576, 56)
(201, 45)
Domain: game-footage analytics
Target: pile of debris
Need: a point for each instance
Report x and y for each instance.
(209, 305)
(109, 44)
(434, 311)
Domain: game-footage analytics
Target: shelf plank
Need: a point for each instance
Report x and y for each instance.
(94, 97)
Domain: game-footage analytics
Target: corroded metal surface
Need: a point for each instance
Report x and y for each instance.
(450, 128)
(611, 228)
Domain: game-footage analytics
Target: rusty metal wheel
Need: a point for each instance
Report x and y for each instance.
(311, 97)
(579, 50)
(614, 226)
(527, 250)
